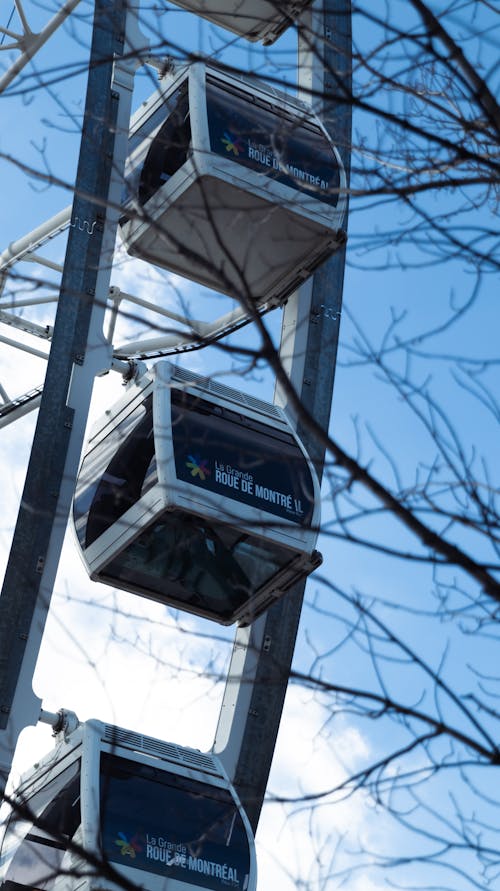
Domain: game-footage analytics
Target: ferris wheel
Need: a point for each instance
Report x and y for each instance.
(189, 493)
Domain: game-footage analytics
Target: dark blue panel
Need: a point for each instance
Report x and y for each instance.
(238, 458)
(279, 146)
(172, 826)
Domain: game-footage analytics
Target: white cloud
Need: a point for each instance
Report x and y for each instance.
(298, 841)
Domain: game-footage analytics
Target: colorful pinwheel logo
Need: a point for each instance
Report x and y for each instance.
(198, 467)
(128, 848)
(233, 143)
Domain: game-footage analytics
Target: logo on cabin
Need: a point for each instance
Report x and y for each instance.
(233, 143)
(128, 848)
(198, 467)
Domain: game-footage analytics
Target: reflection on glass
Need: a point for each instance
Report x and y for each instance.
(115, 474)
(206, 566)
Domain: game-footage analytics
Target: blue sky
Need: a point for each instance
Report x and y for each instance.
(147, 669)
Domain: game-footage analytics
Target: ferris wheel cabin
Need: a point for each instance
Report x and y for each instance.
(198, 496)
(252, 19)
(108, 805)
(232, 184)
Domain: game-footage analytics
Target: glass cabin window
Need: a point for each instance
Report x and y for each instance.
(39, 844)
(158, 148)
(287, 149)
(225, 452)
(206, 566)
(171, 826)
(116, 474)
(169, 148)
